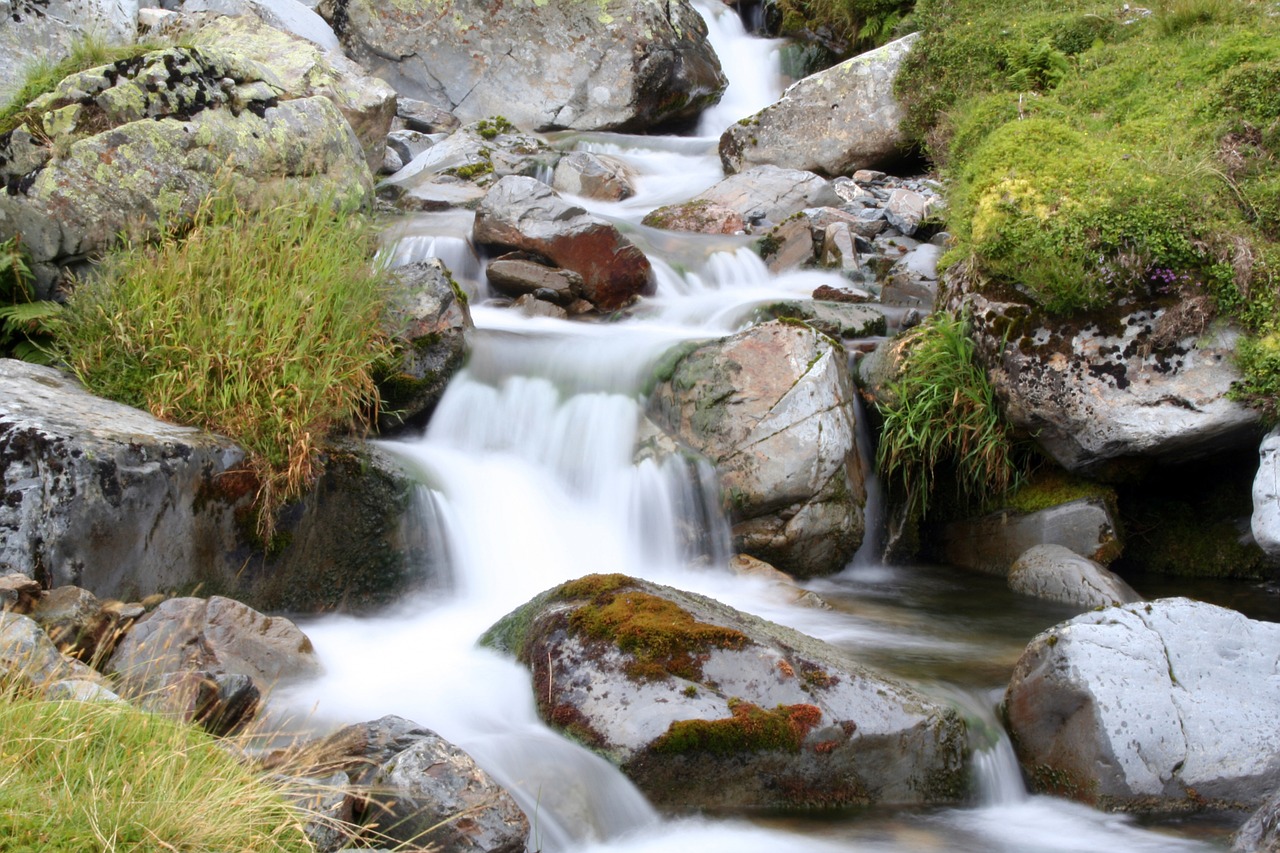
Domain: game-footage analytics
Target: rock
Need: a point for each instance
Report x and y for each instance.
(27, 653)
(1265, 521)
(1163, 706)
(745, 566)
(834, 122)
(426, 118)
(106, 497)
(992, 542)
(19, 593)
(905, 210)
(913, 279)
(522, 213)
(700, 217)
(52, 27)
(706, 707)
(1096, 390)
(517, 276)
(119, 157)
(788, 246)
(304, 69)
(1261, 833)
(426, 315)
(78, 623)
(840, 320)
(1060, 574)
(480, 153)
(839, 250)
(579, 66)
(329, 805)
(531, 306)
(772, 408)
(408, 144)
(433, 794)
(79, 690)
(769, 193)
(597, 176)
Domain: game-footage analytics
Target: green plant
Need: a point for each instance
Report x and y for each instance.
(106, 776)
(940, 414)
(844, 27)
(258, 324)
(1177, 16)
(25, 330)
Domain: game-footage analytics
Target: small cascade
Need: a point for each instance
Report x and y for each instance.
(872, 550)
(753, 63)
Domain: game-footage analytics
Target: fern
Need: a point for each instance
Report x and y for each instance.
(25, 323)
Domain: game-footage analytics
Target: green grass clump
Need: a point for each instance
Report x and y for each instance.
(107, 777)
(940, 415)
(258, 324)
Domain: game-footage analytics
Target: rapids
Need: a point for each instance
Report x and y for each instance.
(528, 481)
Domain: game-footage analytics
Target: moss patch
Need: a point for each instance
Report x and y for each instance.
(750, 729)
(1053, 487)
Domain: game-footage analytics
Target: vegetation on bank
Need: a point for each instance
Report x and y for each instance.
(107, 776)
(24, 319)
(1098, 151)
(258, 324)
(844, 27)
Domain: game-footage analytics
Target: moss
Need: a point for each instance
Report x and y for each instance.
(768, 245)
(750, 729)
(1052, 487)
(491, 128)
(662, 638)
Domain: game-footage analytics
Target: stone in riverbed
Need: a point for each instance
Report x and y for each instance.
(1164, 706)
(1265, 521)
(1059, 574)
(704, 706)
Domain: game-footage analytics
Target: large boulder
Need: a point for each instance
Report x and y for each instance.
(304, 69)
(1059, 574)
(47, 29)
(1265, 520)
(772, 408)
(106, 497)
(130, 146)
(703, 706)
(1164, 706)
(614, 65)
(834, 122)
(768, 194)
(1127, 384)
(526, 214)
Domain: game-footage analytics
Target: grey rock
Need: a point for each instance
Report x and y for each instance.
(426, 315)
(1261, 832)
(408, 144)
(788, 246)
(329, 804)
(991, 543)
(772, 408)
(1265, 521)
(516, 276)
(433, 794)
(288, 16)
(905, 210)
(523, 213)
(426, 118)
(1163, 706)
(769, 193)
(569, 66)
(1060, 574)
(1096, 391)
(597, 176)
(79, 690)
(531, 306)
(840, 320)
(814, 728)
(19, 593)
(834, 122)
(28, 655)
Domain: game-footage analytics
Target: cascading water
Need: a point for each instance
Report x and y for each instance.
(531, 478)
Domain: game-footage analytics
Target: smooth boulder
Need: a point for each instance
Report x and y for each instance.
(1164, 706)
(704, 706)
(992, 542)
(1265, 521)
(618, 65)
(1059, 574)
(768, 194)
(772, 408)
(833, 122)
(526, 214)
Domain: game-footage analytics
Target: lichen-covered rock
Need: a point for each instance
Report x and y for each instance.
(1164, 706)
(106, 497)
(707, 707)
(772, 408)
(1128, 383)
(526, 214)
(609, 65)
(1265, 521)
(304, 69)
(1059, 574)
(127, 146)
(51, 27)
(428, 318)
(834, 122)
(700, 217)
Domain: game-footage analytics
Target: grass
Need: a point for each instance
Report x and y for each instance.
(941, 420)
(258, 324)
(108, 777)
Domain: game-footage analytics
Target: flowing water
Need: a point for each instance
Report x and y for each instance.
(529, 480)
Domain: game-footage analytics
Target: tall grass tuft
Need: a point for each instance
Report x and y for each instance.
(941, 415)
(108, 777)
(258, 324)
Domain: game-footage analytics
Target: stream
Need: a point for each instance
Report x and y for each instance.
(529, 480)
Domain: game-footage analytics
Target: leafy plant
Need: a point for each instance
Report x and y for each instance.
(258, 324)
(845, 27)
(25, 322)
(941, 415)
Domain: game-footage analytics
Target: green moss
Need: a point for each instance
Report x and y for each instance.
(750, 729)
(491, 128)
(1052, 487)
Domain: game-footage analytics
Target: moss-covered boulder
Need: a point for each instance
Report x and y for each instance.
(704, 706)
(772, 408)
(129, 147)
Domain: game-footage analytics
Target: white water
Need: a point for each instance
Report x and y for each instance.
(529, 481)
